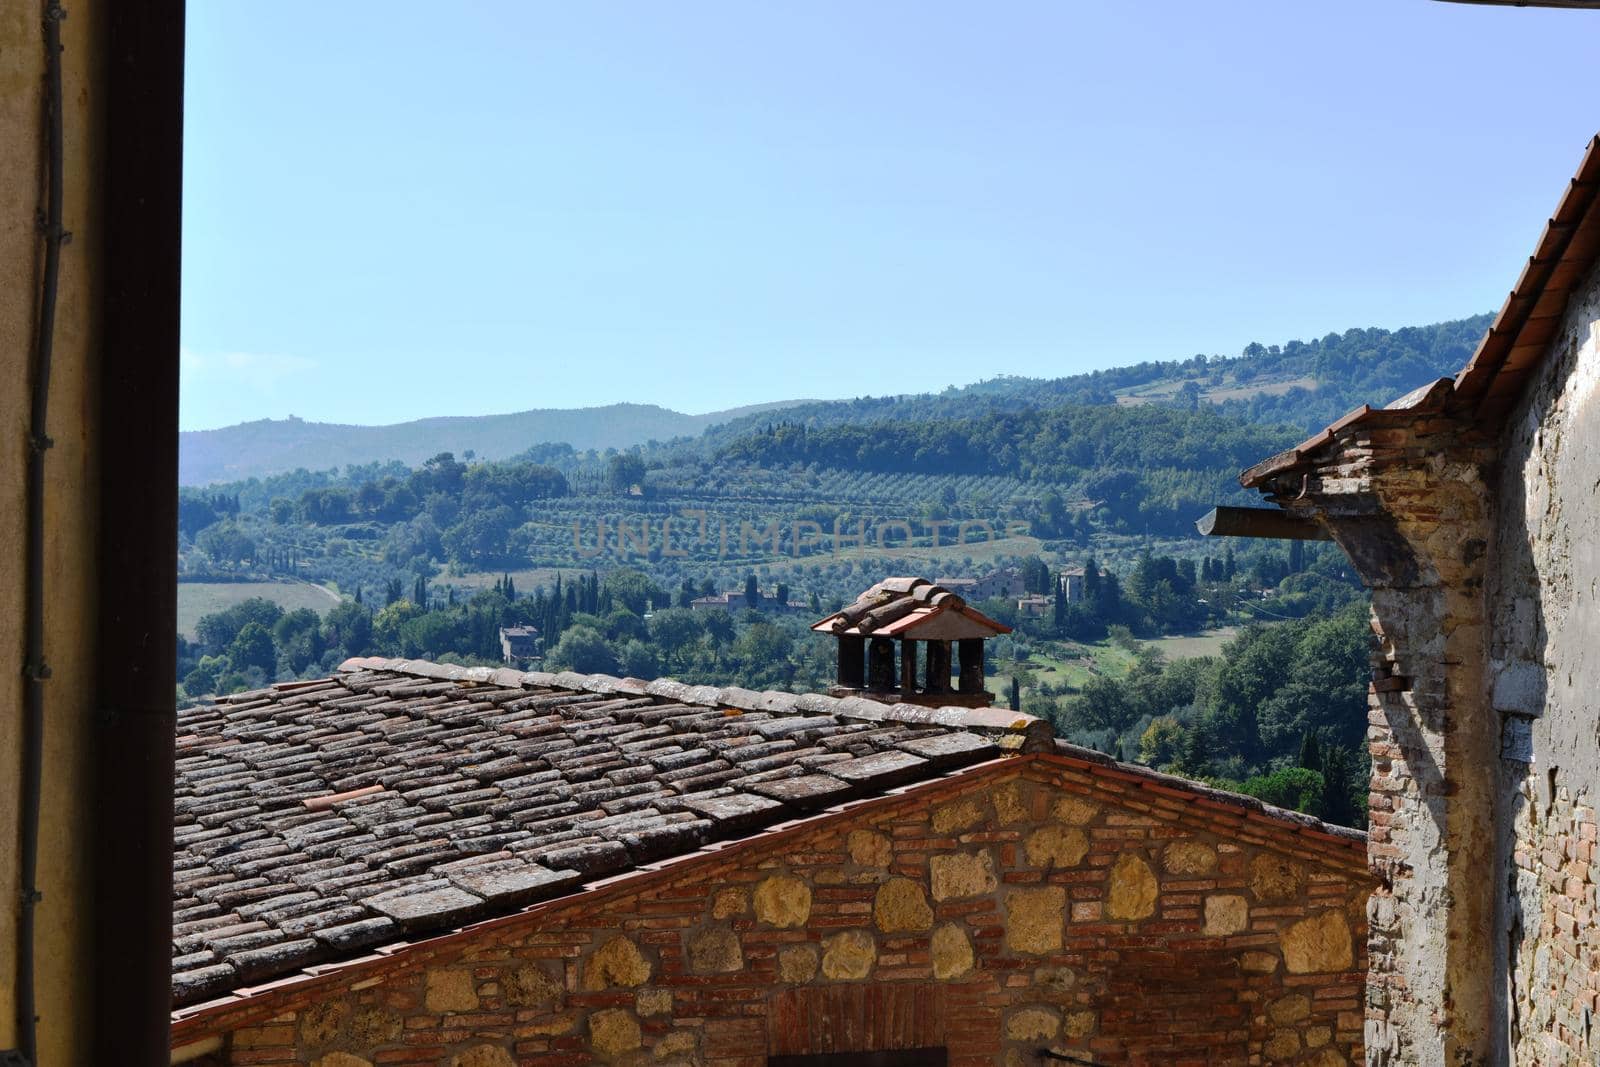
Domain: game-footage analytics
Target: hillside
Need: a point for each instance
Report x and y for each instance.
(271, 446)
(1303, 384)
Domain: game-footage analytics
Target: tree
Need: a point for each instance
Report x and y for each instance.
(639, 660)
(480, 537)
(225, 544)
(348, 627)
(217, 631)
(632, 589)
(1103, 705)
(624, 471)
(254, 647)
(752, 592)
(582, 649)
(1292, 787)
(203, 679)
(719, 626)
(1035, 575)
(675, 630)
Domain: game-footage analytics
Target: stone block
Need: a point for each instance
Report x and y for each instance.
(447, 990)
(1033, 1024)
(340, 1059)
(730, 902)
(1226, 913)
(901, 906)
(958, 875)
(1275, 877)
(951, 952)
(1282, 1045)
(677, 1043)
(1319, 944)
(321, 1023)
(1078, 1024)
(1132, 890)
(957, 816)
(613, 1031)
(483, 1056)
(1075, 811)
(618, 962)
(1189, 858)
(1286, 1011)
(797, 963)
(530, 987)
(1010, 803)
(849, 955)
(1035, 919)
(712, 950)
(869, 848)
(653, 1002)
(1056, 846)
(783, 901)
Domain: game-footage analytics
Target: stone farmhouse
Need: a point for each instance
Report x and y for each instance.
(410, 863)
(1005, 582)
(518, 643)
(1471, 507)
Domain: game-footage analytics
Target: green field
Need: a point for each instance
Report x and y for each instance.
(1208, 643)
(197, 599)
(1072, 664)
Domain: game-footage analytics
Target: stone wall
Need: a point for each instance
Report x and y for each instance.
(1031, 903)
(1546, 664)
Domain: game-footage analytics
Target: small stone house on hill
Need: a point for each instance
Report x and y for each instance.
(1471, 508)
(411, 863)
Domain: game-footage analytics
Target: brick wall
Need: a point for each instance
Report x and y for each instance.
(1405, 494)
(1545, 661)
(1027, 904)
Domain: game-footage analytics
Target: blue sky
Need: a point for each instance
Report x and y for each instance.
(399, 210)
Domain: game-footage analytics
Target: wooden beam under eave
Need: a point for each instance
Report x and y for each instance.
(1259, 522)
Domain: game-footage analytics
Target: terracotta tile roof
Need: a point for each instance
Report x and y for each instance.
(316, 820)
(896, 605)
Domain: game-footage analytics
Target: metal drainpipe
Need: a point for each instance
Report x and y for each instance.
(34, 668)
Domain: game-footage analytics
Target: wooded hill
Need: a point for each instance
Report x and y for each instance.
(1303, 385)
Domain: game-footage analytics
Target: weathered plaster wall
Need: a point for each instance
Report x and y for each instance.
(63, 976)
(1545, 648)
(1007, 910)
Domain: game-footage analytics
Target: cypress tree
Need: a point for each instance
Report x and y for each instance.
(1016, 694)
(1310, 751)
